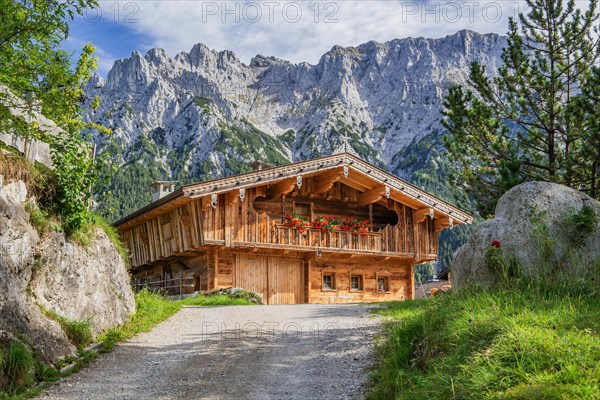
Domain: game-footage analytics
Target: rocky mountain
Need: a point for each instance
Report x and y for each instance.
(204, 113)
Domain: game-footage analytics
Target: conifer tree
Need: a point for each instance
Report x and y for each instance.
(585, 111)
(520, 121)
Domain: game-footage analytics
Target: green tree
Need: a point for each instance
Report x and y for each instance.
(517, 125)
(423, 272)
(586, 112)
(37, 74)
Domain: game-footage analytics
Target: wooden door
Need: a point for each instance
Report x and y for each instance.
(286, 281)
(278, 280)
(251, 274)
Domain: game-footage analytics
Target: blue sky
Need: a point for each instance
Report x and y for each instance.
(293, 30)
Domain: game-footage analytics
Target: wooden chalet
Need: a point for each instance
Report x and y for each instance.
(233, 232)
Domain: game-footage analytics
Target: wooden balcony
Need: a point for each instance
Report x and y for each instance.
(289, 238)
(336, 239)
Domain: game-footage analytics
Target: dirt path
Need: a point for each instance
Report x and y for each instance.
(242, 352)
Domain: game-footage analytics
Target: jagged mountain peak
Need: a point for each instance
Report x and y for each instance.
(260, 61)
(205, 113)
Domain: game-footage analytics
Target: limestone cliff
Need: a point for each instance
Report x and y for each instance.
(53, 273)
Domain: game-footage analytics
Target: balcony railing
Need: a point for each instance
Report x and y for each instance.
(336, 239)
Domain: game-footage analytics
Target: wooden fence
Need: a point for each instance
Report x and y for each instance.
(169, 286)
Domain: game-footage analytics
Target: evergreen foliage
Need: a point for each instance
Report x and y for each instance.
(520, 125)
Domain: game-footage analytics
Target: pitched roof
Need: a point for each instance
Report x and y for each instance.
(398, 188)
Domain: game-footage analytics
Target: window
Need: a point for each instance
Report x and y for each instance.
(356, 282)
(328, 281)
(383, 284)
(302, 209)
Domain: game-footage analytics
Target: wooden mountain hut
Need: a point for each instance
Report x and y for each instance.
(334, 229)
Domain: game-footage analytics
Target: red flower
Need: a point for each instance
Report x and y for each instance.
(496, 244)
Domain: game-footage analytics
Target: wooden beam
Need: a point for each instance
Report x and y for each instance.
(355, 184)
(283, 187)
(442, 223)
(421, 215)
(372, 196)
(325, 181)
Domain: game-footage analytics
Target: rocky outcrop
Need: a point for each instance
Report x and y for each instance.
(53, 273)
(534, 227)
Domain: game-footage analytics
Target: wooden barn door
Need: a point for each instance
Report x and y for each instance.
(286, 281)
(251, 274)
(278, 280)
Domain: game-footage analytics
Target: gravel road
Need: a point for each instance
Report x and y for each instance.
(239, 352)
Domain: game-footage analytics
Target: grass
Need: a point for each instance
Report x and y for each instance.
(17, 364)
(42, 221)
(215, 300)
(79, 332)
(85, 235)
(152, 309)
(39, 180)
(506, 343)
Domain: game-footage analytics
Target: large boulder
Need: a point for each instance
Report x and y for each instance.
(53, 273)
(534, 228)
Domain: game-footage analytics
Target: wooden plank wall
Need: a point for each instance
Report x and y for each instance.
(428, 238)
(400, 280)
(175, 231)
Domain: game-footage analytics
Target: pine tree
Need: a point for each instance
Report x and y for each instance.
(523, 114)
(586, 112)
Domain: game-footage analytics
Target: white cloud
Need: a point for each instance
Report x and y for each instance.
(302, 30)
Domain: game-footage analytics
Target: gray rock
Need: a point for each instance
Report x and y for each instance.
(81, 284)
(75, 282)
(513, 225)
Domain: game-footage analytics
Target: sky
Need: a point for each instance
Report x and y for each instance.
(298, 31)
